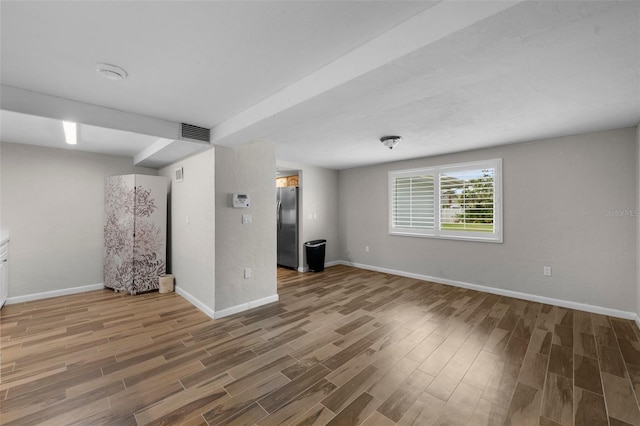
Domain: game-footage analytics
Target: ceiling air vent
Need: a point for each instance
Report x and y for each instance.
(195, 133)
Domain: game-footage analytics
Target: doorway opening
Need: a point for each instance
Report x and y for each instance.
(288, 218)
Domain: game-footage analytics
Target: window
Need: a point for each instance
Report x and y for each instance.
(456, 201)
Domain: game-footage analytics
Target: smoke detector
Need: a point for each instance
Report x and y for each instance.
(390, 141)
(112, 72)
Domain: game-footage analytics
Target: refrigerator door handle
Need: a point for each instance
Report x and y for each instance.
(279, 214)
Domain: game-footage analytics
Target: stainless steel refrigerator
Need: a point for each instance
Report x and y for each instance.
(287, 225)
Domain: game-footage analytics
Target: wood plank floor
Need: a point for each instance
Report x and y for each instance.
(342, 347)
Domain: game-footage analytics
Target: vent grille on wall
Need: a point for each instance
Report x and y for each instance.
(195, 133)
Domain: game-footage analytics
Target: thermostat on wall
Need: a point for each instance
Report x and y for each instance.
(241, 201)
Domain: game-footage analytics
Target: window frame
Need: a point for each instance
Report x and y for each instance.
(491, 237)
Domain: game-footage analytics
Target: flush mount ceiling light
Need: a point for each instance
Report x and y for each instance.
(390, 141)
(70, 132)
(111, 72)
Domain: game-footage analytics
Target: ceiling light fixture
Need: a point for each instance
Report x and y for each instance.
(390, 141)
(70, 132)
(112, 72)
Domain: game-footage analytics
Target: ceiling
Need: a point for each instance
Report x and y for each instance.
(323, 81)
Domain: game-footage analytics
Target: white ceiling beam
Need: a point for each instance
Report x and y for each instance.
(435, 23)
(151, 150)
(39, 104)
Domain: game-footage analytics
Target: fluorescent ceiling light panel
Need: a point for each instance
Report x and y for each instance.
(70, 132)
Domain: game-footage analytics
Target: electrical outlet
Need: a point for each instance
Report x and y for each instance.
(247, 273)
(547, 271)
(246, 219)
(366, 248)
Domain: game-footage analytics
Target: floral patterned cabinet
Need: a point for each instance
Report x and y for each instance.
(135, 229)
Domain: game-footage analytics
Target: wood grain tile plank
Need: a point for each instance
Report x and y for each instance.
(561, 361)
(443, 385)
(611, 361)
(534, 370)
(293, 410)
(487, 414)
(481, 370)
(182, 406)
(515, 350)
(34, 416)
(630, 350)
(586, 374)
(460, 406)
(392, 378)
(590, 408)
(623, 329)
(585, 345)
(502, 383)
(540, 341)
(634, 376)
(395, 406)
(85, 410)
(620, 399)
(318, 415)
(351, 389)
(563, 335)
(525, 406)
(438, 359)
(355, 413)
(377, 419)
(426, 347)
(249, 417)
(355, 324)
(497, 341)
(424, 411)
(237, 404)
(558, 399)
(605, 336)
(284, 394)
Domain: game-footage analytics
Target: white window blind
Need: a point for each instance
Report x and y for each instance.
(413, 202)
(457, 201)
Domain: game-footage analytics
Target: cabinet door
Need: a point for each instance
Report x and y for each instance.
(119, 223)
(149, 253)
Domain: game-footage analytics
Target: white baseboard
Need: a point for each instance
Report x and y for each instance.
(502, 292)
(245, 306)
(195, 302)
(225, 312)
(53, 293)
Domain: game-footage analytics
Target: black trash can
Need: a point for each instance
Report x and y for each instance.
(315, 254)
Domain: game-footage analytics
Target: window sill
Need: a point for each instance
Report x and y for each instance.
(493, 239)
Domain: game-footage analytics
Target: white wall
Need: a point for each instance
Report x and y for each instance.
(556, 197)
(637, 192)
(318, 215)
(246, 169)
(192, 232)
(53, 205)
